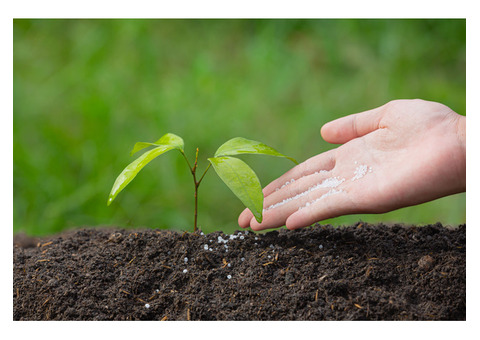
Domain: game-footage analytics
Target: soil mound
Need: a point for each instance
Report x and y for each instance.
(361, 272)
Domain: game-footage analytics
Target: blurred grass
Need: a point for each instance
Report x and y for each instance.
(86, 90)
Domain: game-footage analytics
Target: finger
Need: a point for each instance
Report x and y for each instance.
(352, 126)
(334, 203)
(245, 218)
(315, 165)
(281, 204)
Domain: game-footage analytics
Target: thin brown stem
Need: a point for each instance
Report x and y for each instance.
(204, 173)
(186, 159)
(196, 183)
(195, 214)
(196, 161)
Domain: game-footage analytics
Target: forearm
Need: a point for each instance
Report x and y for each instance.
(462, 146)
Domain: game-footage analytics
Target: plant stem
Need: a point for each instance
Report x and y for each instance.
(196, 183)
(208, 167)
(186, 159)
(195, 213)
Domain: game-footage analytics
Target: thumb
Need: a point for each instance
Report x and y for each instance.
(356, 125)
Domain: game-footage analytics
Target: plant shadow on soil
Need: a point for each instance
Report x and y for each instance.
(360, 272)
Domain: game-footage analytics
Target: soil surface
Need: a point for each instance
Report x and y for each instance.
(361, 272)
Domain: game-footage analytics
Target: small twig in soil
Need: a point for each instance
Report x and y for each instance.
(225, 263)
(323, 277)
(263, 252)
(369, 269)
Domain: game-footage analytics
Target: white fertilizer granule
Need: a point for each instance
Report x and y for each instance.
(361, 171)
(147, 305)
(286, 183)
(329, 193)
(331, 182)
(220, 240)
(229, 277)
(293, 179)
(185, 271)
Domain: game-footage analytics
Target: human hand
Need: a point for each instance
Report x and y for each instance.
(403, 153)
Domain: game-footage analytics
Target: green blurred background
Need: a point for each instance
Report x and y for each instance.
(86, 90)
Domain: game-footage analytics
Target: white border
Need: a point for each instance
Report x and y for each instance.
(244, 9)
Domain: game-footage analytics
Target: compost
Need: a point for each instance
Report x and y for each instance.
(360, 272)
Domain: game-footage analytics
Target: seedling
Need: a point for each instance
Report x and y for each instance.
(235, 173)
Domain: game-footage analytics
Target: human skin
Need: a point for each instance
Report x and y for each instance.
(414, 149)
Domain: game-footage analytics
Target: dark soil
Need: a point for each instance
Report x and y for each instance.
(363, 272)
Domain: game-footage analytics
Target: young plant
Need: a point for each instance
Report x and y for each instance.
(235, 173)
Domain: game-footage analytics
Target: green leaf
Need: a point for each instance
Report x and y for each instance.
(164, 144)
(239, 145)
(167, 139)
(139, 146)
(243, 182)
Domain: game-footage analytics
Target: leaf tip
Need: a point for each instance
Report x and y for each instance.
(259, 218)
